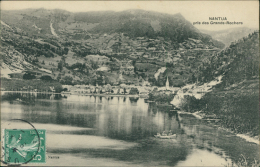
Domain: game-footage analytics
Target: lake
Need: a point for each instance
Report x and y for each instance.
(119, 131)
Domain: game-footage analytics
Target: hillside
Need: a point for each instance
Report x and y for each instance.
(134, 23)
(95, 47)
(235, 100)
(238, 62)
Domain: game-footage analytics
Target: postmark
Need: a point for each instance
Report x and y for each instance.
(21, 146)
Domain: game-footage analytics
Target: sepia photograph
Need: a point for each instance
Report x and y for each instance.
(130, 83)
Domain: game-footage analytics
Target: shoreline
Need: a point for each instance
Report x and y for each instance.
(82, 94)
(243, 136)
(103, 95)
(4, 91)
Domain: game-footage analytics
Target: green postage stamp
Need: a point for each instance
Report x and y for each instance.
(22, 146)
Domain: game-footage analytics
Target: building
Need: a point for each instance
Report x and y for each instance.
(97, 58)
(104, 68)
(167, 84)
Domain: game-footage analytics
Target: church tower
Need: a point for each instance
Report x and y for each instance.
(167, 83)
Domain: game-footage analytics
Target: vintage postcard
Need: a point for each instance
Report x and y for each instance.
(130, 83)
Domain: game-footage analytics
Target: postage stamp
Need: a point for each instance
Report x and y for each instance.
(24, 146)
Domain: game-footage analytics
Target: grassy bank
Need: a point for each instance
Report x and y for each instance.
(30, 85)
(161, 97)
(238, 110)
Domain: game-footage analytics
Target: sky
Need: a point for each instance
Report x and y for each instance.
(239, 11)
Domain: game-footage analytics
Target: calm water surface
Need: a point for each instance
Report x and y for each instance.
(119, 131)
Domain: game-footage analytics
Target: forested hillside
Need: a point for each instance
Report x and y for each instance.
(236, 63)
(133, 23)
(235, 101)
(98, 47)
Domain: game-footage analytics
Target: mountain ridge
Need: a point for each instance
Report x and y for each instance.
(230, 35)
(135, 23)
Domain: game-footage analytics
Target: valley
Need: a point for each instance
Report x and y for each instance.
(158, 59)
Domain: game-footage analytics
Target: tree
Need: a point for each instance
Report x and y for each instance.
(67, 80)
(60, 66)
(46, 78)
(100, 80)
(114, 66)
(133, 62)
(133, 91)
(29, 76)
(66, 50)
(135, 69)
(190, 104)
(193, 78)
(63, 58)
(94, 65)
(152, 80)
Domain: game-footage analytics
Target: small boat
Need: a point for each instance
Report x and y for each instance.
(165, 137)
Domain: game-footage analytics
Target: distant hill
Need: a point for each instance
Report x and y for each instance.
(229, 35)
(133, 23)
(238, 62)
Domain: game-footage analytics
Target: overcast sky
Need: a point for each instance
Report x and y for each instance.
(239, 11)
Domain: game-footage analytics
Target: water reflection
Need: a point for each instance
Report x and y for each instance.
(125, 119)
(27, 98)
(133, 99)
